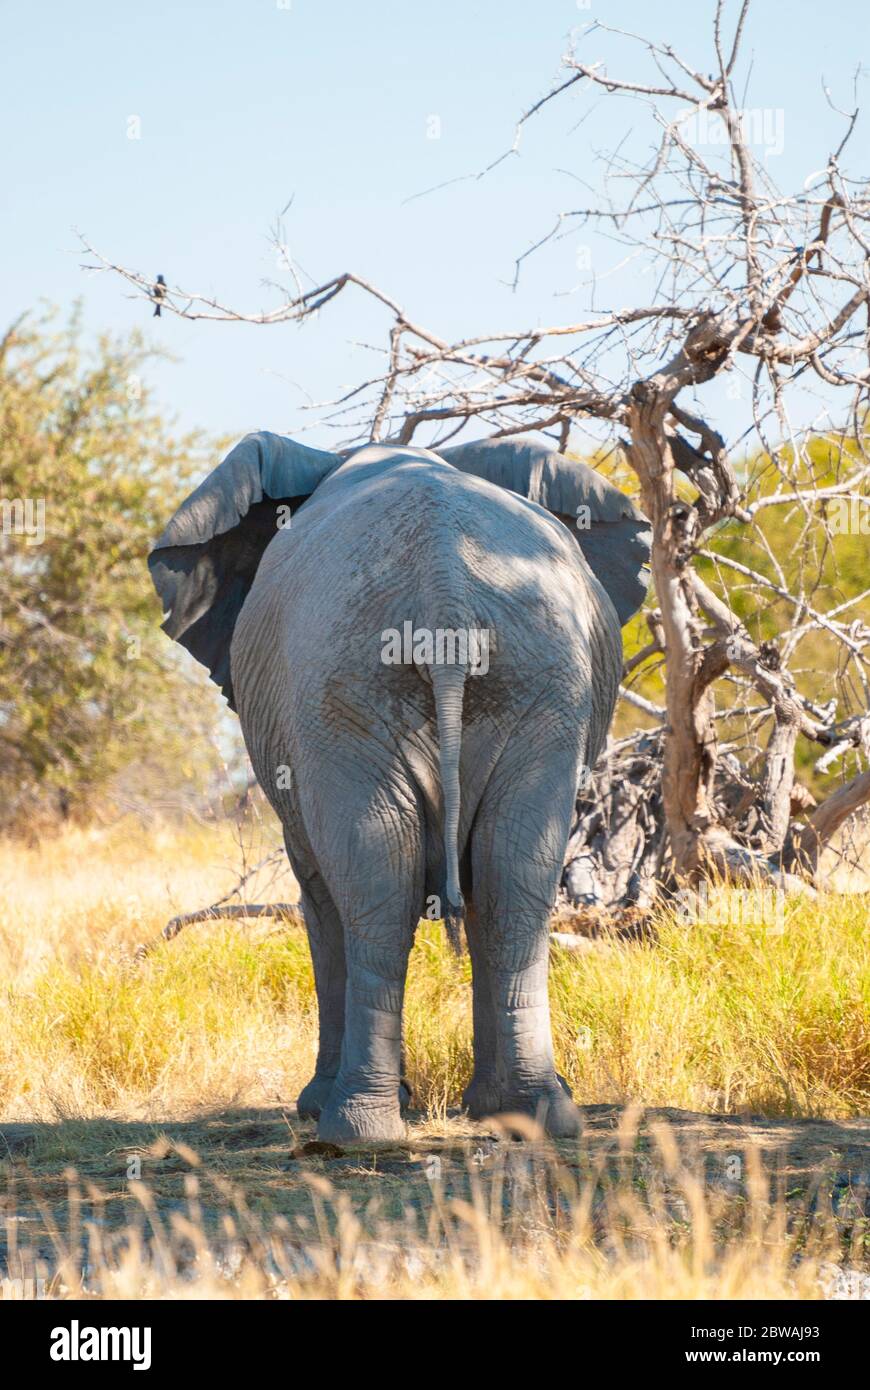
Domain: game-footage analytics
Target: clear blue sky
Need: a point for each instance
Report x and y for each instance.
(243, 103)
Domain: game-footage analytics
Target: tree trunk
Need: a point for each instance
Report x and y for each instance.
(689, 753)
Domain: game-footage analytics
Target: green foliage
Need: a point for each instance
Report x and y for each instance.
(89, 688)
(809, 548)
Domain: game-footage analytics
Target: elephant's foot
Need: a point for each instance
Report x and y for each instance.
(482, 1097)
(357, 1121)
(313, 1097)
(562, 1119)
(552, 1106)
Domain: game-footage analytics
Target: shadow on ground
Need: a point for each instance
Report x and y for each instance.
(241, 1170)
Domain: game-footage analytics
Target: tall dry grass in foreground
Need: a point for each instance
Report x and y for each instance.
(642, 1227)
(722, 1016)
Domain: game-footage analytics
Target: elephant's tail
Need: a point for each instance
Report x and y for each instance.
(448, 684)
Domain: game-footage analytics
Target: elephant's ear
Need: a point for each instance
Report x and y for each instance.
(613, 535)
(204, 563)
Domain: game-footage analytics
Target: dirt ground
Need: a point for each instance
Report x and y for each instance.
(253, 1166)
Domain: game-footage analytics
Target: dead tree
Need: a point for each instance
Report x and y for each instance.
(766, 286)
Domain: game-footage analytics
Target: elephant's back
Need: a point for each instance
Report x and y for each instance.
(423, 548)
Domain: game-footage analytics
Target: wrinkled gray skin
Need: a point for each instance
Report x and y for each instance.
(406, 778)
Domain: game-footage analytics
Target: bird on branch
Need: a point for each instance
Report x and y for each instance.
(158, 294)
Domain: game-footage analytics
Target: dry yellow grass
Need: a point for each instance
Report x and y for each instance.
(204, 1045)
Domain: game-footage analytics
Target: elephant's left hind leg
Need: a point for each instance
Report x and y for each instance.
(326, 942)
(376, 875)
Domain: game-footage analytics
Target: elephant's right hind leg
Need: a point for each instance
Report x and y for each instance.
(518, 848)
(482, 1095)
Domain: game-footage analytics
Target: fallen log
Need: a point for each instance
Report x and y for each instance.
(290, 912)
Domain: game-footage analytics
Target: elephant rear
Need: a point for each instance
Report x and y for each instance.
(410, 623)
(420, 661)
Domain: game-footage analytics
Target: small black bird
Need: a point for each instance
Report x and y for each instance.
(158, 294)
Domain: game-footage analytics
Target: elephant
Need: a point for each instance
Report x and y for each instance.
(424, 650)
